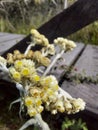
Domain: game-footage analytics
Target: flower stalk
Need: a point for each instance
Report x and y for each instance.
(53, 62)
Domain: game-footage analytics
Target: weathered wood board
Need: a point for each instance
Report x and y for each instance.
(88, 61)
(9, 40)
(72, 19)
(8, 44)
(85, 91)
(68, 59)
(9, 37)
(3, 33)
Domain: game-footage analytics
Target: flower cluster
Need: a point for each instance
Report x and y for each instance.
(65, 44)
(69, 106)
(39, 38)
(40, 92)
(36, 57)
(44, 91)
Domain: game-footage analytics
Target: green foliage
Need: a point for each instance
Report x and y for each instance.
(87, 35)
(19, 17)
(73, 124)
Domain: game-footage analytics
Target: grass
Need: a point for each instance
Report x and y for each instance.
(87, 35)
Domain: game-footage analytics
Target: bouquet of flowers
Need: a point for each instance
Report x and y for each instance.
(39, 91)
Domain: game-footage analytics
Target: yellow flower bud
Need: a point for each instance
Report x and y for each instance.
(35, 92)
(18, 64)
(25, 72)
(34, 32)
(38, 102)
(35, 78)
(28, 101)
(32, 112)
(16, 76)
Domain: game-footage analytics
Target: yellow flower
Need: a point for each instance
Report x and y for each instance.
(68, 107)
(45, 97)
(50, 92)
(78, 104)
(16, 76)
(38, 102)
(59, 106)
(28, 101)
(55, 87)
(32, 111)
(70, 45)
(10, 58)
(35, 78)
(34, 32)
(25, 72)
(40, 109)
(18, 64)
(65, 44)
(35, 92)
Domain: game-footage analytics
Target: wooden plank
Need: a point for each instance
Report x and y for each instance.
(87, 92)
(8, 44)
(88, 61)
(3, 33)
(77, 16)
(68, 59)
(9, 37)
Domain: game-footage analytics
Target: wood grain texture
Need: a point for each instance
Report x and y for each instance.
(3, 33)
(4, 46)
(8, 37)
(88, 61)
(67, 60)
(88, 92)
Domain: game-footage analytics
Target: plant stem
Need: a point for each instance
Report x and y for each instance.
(53, 62)
(28, 48)
(41, 122)
(37, 120)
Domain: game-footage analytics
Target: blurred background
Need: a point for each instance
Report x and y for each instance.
(22, 15)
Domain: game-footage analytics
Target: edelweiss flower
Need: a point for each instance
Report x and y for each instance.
(78, 104)
(3, 60)
(65, 44)
(48, 50)
(32, 111)
(16, 76)
(28, 101)
(39, 38)
(40, 59)
(25, 72)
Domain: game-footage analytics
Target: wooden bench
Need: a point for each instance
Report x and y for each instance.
(84, 57)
